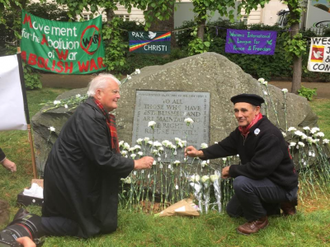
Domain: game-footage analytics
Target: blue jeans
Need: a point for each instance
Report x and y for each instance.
(254, 199)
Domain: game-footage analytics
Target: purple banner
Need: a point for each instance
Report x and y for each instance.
(251, 42)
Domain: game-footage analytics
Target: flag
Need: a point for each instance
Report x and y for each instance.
(11, 97)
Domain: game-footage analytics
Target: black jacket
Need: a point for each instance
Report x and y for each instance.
(82, 174)
(2, 155)
(264, 154)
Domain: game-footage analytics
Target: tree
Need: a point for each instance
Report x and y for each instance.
(295, 45)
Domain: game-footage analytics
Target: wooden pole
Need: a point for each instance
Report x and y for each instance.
(26, 110)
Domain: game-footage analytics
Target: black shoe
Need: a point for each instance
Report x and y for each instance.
(289, 208)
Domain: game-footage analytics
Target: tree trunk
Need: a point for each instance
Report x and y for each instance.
(296, 78)
(201, 30)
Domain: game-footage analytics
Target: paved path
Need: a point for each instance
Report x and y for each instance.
(80, 81)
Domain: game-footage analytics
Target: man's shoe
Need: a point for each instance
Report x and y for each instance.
(253, 226)
(289, 208)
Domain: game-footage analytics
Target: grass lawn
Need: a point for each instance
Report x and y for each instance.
(309, 227)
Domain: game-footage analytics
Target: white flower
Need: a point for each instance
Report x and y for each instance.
(284, 134)
(176, 187)
(139, 141)
(146, 139)
(121, 143)
(306, 128)
(303, 136)
(133, 156)
(128, 77)
(298, 133)
(205, 179)
(319, 134)
(124, 152)
(126, 180)
(177, 162)
(126, 146)
(314, 130)
(265, 92)
(66, 106)
(204, 145)
(150, 143)
(154, 162)
(166, 143)
(301, 144)
(188, 121)
(157, 144)
(137, 71)
(160, 149)
(214, 177)
(140, 153)
(152, 124)
(177, 139)
(309, 139)
(292, 144)
(284, 90)
(325, 141)
(180, 144)
(194, 178)
(51, 129)
(56, 102)
(204, 163)
(292, 129)
(137, 147)
(184, 143)
(224, 159)
(78, 95)
(261, 80)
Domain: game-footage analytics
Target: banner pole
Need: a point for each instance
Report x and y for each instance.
(26, 110)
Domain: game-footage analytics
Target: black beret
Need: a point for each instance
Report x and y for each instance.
(253, 99)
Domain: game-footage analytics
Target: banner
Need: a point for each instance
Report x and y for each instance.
(150, 42)
(319, 55)
(11, 98)
(251, 42)
(62, 47)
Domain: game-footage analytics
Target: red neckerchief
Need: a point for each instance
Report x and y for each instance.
(111, 122)
(245, 130)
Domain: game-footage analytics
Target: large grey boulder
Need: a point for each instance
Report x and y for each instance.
(208, 72)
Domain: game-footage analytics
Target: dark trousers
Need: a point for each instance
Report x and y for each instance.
(254, 199)
(59, 226)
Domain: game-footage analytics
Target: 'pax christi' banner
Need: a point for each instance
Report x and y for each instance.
(62, 47)
(11, 97)
(319, 55)
(150, 42)
(250, 42)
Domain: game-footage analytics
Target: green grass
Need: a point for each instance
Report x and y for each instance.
(310, 227)
(321, 107)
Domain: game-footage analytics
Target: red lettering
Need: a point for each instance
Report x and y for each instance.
(83, 66)
(27, 18)
(40, 62)
(32, 59)
(44, 40)
(68, 67)
(100, 62)
(62, 55)
(60, 65)
(46, 64)
(23, 55)
(93, 65)
(54, 63)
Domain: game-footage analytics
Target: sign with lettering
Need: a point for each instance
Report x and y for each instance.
(319, 55)
(169, 110)
(150, 42)
(62, 47)
(251, 42)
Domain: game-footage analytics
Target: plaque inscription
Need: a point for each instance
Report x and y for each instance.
(169, 109)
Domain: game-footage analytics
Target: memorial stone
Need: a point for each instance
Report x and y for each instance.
(169, 110)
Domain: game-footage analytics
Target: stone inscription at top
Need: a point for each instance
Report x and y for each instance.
(169, 110)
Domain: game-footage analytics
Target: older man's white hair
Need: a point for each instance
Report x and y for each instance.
(100, 82)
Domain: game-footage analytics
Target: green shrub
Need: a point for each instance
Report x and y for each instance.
(308, 93)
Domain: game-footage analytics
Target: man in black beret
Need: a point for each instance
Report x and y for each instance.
(265, 181)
